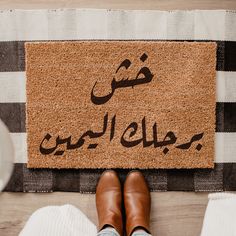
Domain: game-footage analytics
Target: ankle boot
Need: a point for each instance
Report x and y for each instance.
(137, 201)
(108, 201)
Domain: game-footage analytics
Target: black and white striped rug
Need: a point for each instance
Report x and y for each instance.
(20, 26)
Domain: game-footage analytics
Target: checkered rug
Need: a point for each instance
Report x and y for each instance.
(20, 26)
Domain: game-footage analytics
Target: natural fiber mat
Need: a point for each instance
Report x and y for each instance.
(120, 104)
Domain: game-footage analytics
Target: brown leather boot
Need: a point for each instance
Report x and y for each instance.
(137, 202)
(109, 200)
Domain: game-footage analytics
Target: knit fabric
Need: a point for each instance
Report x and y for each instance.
(220, 215)
(64, 220)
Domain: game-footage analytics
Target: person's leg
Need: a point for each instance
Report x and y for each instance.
(108, 203)
(140, 232)
(58, 220)
(220, 215)
(137, 201)
(108, 231)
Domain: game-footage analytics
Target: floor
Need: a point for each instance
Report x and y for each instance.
(121, 4)
(173, 213)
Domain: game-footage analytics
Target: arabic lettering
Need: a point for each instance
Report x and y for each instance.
(127, 138)
(91, 134)
(125, 82)
(195, 138)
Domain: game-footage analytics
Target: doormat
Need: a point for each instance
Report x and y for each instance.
(120, 104)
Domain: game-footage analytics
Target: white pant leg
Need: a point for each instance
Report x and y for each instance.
(220, 216)
(65, 220)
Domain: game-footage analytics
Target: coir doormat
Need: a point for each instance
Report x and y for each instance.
(120, 104)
